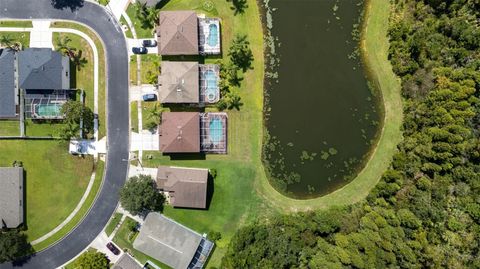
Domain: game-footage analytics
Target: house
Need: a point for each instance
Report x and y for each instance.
(42, 75)
(193, 132)
(184, 187)
(189, 83)
(127, 262)
(177, 33)
(11, 197)
(172, 243)
(179, 82)
(180, 132)
(184, 33)
(9, 100)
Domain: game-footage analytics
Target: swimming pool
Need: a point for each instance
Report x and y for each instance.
(216, 130)
(212, 85)
(49, 110)
(212, 39)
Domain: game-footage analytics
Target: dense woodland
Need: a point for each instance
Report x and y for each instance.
(425, 211)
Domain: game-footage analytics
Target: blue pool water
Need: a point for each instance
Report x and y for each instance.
(212, 85)
(212, 39)
(216, 130)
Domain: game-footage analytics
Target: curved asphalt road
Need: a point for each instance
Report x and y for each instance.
(106, 27)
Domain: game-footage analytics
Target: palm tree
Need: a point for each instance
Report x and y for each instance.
(155, 114)
(240, 53)
(78, 60)
(63, 45)
(235, 102)
(6, 40)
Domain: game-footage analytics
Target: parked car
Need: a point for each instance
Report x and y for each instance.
(149, 97)
(139, 50)
(113, 248)
(149, 43)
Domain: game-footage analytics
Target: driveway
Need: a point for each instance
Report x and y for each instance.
(138, 43)
(110, 32)
(137, 92)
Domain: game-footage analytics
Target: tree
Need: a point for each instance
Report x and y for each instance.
(240, 53)
(74, 111)
(214, 236)
(78, 60)
(239, 6)
(155, 114)
(148, 16)
(7, 41)
(13, 245)
(63, 45)
(140, 195)
(234, 101)
(92, 259)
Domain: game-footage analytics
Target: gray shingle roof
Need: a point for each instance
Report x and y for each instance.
(167, 241)
(179, 82)
(43, 69)
(11, 197)
(7, 84)
(126, 262)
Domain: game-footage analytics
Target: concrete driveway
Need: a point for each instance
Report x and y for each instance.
(137, 92)
(138, 43)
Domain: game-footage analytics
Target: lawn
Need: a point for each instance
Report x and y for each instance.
(141, 32)
(55, 181)
(128, 33)
(150, 65)
(47, 129)
(9, 128)
(22, 37)
(134, 117)
(100, 165)
(114, 221)
(23, 24)
(101, 71)
(124, 238)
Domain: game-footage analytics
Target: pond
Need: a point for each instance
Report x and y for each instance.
(321, 116)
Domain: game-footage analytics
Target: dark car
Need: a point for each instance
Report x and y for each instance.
(149, 43)
(113, 248)
(149, 97)
(139, 50)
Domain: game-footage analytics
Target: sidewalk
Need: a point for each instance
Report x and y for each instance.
(118, 7)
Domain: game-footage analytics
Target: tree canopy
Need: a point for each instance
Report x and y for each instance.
(92, 259)
(13, 244)
(425, 211)
(140, 195)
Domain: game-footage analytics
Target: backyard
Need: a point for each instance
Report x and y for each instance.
(49, 169)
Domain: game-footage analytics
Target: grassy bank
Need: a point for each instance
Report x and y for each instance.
(49, 170)
(80, 214)
(374, 46)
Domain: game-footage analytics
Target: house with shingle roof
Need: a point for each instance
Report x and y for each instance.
(184, 187)
(179, 132)
(11, 197)
(177, 33)
(179, 82)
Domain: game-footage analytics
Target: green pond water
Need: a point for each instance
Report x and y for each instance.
(322, 118)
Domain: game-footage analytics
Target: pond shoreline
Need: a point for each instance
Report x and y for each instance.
(373, 78)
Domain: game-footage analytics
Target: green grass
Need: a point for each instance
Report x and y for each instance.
(22, 37)
(101, 71)
(128, 33)
(124, 238)
(103, 2)
(23, 24)
(9, 128)
(114, 221)
(55, 181)
(134, 116)
(35, 128)
(100, 166)
(150, 65)
(147, 108)
(141, 32)
(71, 265)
